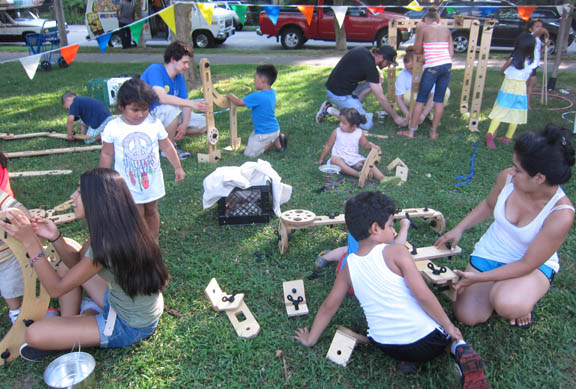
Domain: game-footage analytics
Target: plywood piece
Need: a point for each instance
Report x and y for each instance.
(341, 348)
(215, 295)
(402, 172)
(64, 150)
(396, 162)
(295, 290)
(39, 173)
(359, 338)
(66, 205)
(64, 218)
(417, 70)
(427, 273)
(297, 217)
(235, 141)
(469, 69)
(432, 252)
(366, 133)
(50, 134)
(249, 327)
(371, 161)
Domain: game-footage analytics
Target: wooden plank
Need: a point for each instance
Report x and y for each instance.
(235, 141)
(20, 154)
(64, 218)
(366, 133)
(294, 291)
(469, 69)
(247, 328)
(215, 295)
(66, 205)
(428, 274)
(371, 161)
(402, 172)
(359, 338)
(341, 348)
(396, 162)
(49, 134)
(431, 252)
(36, 173)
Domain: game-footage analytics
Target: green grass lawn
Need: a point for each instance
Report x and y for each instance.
(200, 348)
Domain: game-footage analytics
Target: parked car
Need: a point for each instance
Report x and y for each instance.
(15, 24)
(238, 25)
(509, 25)
(361, 24)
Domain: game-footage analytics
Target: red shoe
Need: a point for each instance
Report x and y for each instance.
(490, 141)
(471, 367)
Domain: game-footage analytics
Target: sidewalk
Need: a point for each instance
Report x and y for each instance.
(249, 59)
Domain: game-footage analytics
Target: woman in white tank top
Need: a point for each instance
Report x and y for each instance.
(513, 264)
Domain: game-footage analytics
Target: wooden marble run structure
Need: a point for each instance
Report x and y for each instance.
(35, 300)
(54, 214)
(472, 24)
(211, 96)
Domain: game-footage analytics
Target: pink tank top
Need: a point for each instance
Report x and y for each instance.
(436, 53)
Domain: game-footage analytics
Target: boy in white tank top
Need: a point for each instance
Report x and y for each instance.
(384, 277)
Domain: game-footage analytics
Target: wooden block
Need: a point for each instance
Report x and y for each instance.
(359, 338)
(394, 163)
(294, 290)
(366, 133)
(341, 348)
(442, 278)
(215, 295)
(39, 173)
(431, 252)
(402, 172)
(247, 328)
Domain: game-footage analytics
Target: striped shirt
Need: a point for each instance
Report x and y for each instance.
(6, 202)
(436, 54)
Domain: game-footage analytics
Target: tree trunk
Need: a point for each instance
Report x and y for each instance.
(138, 16)
(341, 43)
(183, 18)
(61, 20)
(561, 42)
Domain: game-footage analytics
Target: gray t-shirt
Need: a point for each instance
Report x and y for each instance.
(126, 12)
(139, 312)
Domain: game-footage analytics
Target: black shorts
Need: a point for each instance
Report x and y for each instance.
(423, 350)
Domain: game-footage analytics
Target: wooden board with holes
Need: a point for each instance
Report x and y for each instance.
(469, 69)
(480, 80)
(247, 328)
(428, 274)
(431, 252)
(417, 69)
(402, 172)
(215, 295)
(373, 158)
(63, 218)
(341, 348)
(39, 173)
(295, 290)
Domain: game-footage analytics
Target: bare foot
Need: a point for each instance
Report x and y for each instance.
(406, 134)
(432, 134)
(522, 321)
(400, 121)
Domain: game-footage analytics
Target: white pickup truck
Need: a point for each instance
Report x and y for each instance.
(101, 17)
(15, 24)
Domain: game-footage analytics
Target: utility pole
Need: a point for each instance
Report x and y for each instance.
(59, 16)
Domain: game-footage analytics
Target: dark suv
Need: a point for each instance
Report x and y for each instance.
(509, 25)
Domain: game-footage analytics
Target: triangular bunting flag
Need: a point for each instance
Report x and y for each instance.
(308, 11)
(207, 10)
(30, 64)
(414, 6)
(377, 10)
(526, 11)
(340, 13)
(69, 53)
(240, 11)
(167, 15)
(272, 11)
(103, 41)
(136, 30)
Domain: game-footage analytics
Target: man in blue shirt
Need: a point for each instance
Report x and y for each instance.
(263, 103)
(173, 108)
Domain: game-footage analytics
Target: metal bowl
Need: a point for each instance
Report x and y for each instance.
(329, 169)
(70, 370)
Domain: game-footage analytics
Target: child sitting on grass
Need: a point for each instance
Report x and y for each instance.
(263, 103)
(91, 113)
(344, 142)
(404, 317)
(131, 141)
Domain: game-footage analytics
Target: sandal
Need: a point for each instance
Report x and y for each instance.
(530, 323)
(320, 260)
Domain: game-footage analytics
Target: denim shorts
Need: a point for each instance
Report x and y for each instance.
(483, 264)
(351, 101)
(437, 75)
(123, 335)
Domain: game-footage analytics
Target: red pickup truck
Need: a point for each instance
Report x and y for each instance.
(362, 24)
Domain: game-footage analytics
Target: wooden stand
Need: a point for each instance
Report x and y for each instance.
(213, 97)
(473, 25)
(295, 298)
(35, 300)
(299, 219)
(343, 345)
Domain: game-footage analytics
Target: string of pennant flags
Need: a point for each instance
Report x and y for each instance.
(30, 63)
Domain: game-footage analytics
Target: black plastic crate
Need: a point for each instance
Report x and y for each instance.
(246, 206)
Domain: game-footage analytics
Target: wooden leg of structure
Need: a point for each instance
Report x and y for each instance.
(235, 141)
(469, 70)
(416, 78)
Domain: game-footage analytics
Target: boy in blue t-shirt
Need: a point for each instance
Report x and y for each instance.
(262, 102)
(91, 113)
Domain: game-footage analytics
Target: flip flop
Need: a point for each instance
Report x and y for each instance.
(530, 323)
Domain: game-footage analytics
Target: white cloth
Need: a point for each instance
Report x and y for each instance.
(224, 179)
(136, 156)
(346, 146)
(520, 74)
(394, 316)
(404, 83)
(506, 243)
